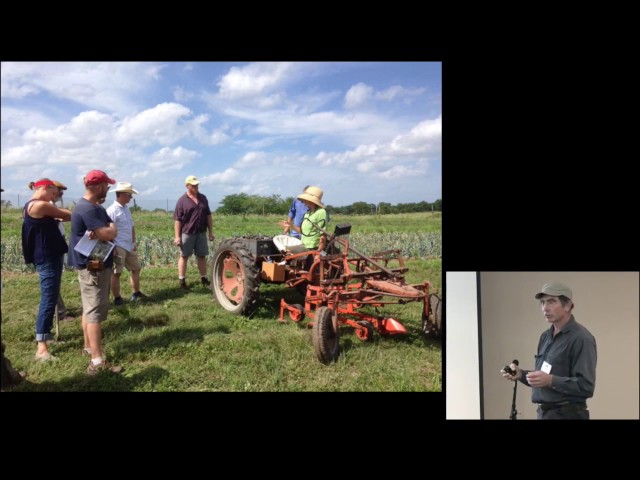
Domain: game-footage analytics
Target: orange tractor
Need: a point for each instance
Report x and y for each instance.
(336, 282)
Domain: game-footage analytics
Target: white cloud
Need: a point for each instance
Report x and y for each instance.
(270, 101)
(357, 95)
(403, 160)
(181, 94)
(92, 139)
(108, 86)
(85, 128)
(351, 128)
(311, 101)
(223, 177)
(152, 70)
(171, 159)
(421, 142)
(24, 155)
(398, 91)
(350, 156)
(365, 166)
(267, 128)
(17, 120)
(399, 172)
(424, 137)
(218, 137)
(253, 79)
(159, 124)
(15, 90)
(251, 159)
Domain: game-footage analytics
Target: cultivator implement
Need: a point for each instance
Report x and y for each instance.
(339, 285)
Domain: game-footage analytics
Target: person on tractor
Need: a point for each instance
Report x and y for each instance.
(316, 216)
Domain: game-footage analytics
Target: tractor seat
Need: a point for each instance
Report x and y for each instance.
(286, 243)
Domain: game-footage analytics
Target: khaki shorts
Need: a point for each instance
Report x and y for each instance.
(94, 290)
(123, 259)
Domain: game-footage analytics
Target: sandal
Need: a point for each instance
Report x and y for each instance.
(44, 357)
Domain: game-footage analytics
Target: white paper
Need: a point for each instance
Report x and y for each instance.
(94, 249)
(546, 367)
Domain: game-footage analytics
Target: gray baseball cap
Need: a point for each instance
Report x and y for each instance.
(555, 289)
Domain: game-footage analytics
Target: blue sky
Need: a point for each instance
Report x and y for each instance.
(361, 131)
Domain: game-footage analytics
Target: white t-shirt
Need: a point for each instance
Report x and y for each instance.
(121, 216)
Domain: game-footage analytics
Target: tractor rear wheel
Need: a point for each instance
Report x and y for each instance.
(325, 337)
(236, 280)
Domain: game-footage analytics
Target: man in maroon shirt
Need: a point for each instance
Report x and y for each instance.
(192, 220)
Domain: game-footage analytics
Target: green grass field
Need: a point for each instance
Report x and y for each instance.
(180, 341)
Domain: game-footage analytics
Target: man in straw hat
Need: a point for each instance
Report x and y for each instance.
(565, 370)
(125, 252)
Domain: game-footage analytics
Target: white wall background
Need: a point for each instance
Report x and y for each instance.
(606, 303)
(463, 361)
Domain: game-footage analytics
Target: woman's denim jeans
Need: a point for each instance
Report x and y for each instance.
(50, 279)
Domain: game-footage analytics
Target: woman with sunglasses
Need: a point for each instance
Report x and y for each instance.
(43, 246)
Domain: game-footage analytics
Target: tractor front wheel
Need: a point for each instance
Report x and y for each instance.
(325, 337)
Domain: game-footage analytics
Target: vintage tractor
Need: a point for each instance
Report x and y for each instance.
(336, 282)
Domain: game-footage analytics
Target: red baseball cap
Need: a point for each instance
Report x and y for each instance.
(95, 177)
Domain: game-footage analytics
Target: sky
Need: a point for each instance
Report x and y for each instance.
(360, 131)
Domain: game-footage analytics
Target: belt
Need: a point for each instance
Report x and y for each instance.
(550, 406)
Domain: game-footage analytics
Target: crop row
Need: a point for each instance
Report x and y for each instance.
(155, 251)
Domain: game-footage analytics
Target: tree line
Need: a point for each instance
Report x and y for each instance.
(244, 204)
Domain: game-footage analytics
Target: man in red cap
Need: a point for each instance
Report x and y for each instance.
(94, 276)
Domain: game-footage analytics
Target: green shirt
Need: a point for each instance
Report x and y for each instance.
(310, 234)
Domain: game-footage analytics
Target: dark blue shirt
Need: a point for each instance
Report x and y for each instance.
(86, 216)
(572, 356)
(41, 239)
(296, 213)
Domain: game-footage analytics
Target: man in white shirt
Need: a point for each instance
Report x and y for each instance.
(125, 255)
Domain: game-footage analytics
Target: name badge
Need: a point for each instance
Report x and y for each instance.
(546, 367)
